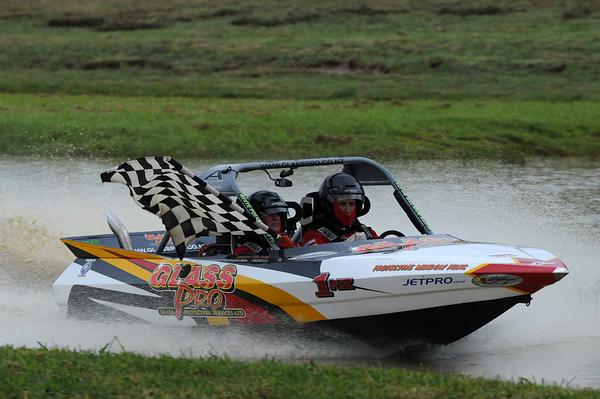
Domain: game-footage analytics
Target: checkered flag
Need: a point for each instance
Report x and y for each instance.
(188, 206)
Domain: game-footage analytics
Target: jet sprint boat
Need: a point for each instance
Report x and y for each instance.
(434, 287)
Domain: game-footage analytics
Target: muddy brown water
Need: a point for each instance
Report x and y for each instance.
(551, 204)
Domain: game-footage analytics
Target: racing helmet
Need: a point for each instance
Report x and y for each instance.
(338, 187)
(269, 202)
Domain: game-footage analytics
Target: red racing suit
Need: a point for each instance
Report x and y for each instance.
(319, 232)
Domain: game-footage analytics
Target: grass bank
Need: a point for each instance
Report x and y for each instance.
(381, 49)
(125, 127)
(60, 373)
(271, 79)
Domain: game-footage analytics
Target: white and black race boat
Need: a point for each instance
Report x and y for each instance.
(432, 287)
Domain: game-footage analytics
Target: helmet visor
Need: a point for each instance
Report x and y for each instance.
(342, 197)
(273, 210)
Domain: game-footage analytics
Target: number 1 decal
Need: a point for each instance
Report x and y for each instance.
(326, 286)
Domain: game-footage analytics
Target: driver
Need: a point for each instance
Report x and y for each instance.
(341, 199)
(272, 210)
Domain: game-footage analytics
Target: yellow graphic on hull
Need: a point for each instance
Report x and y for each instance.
(122, 259)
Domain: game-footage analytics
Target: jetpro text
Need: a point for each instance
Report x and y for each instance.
(429, 281)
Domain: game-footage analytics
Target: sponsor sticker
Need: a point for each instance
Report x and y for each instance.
(199, 290)
(86, 267)
(411, 267)
(296, 164)
(424, 281)
(168, 248)
(326, 286)
(156, 238)
(497, 280)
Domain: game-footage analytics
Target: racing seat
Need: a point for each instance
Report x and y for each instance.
(290, 227)
(309, 207)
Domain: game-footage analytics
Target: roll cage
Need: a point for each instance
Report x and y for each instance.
(365, 170)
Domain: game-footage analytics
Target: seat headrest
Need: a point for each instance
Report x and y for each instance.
(297, 217)
(309, 204)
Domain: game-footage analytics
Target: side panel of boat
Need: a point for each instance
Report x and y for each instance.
(430, 277)
(360, 285)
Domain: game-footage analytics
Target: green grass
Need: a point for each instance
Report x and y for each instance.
(270, 79)
(125, 127)
(430, 49)
(62, 373)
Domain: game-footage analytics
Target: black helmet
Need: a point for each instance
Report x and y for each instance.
(339, 186)
(268, 202)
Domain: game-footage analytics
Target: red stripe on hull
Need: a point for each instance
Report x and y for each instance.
(140, 262)
(254, 314)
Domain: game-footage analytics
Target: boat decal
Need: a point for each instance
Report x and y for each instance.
(427, 266)
(146, 264)
(497, 280)
(96, 249)
(154, 237)
(116, 257)
(301, 163)
(86, 267)
(535, 273)
(304, 268)
(424, 281)
(326, 286)
(93, 241)
(198, 290)
(141, 265)
(291, 305)
(257, 311)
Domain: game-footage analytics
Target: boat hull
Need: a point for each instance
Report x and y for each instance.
(435, 288)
